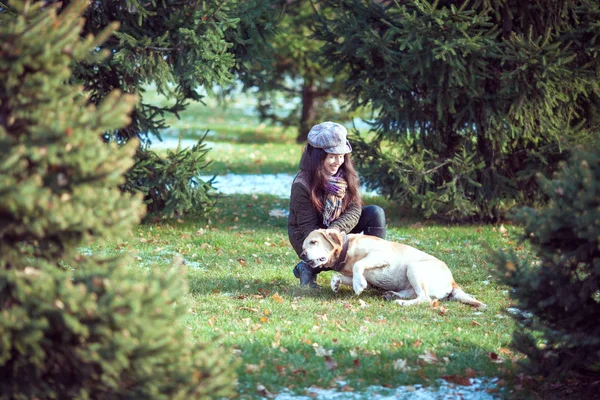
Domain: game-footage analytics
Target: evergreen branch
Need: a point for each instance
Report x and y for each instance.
(216, 10)
(316, 10)
(165, 49)
(280, 15)
(429, 171)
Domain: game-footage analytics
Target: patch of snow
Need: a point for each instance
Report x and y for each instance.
(171, 143)
(480, 389)
(279, 213)
(274, 184)
(516, 311)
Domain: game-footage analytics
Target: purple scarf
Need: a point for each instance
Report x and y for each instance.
(335, 190)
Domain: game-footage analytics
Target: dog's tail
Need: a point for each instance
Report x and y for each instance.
(459, 295)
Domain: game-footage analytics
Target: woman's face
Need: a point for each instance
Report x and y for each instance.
(332, 163)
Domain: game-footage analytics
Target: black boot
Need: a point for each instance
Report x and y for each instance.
(306, 274)
(379, 232)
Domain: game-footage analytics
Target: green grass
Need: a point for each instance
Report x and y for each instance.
(242, 292)
(239, 142)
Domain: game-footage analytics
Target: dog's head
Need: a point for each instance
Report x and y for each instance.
(322, 247)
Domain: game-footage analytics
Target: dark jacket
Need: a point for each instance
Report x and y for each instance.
(304, 218)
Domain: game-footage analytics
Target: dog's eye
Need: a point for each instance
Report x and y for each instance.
(313, 242)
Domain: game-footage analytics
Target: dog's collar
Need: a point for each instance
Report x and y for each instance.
(341, 261)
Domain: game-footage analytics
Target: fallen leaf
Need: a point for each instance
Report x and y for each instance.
(277, 298)
(252, 368)
(297, 371)
(505, 352)
(417, 343)
(509, 266)
(503, 230)
(457, 380)
(330, 363)
(493, 357)
(429, 357)
(242, 262)
(321, 352)
(401, 365)
(475, 323)
(470, 373)
(262, 390)
(280, 368)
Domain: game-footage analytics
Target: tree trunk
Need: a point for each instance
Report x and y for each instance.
(307, 118)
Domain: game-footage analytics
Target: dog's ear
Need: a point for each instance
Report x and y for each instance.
(334, 236)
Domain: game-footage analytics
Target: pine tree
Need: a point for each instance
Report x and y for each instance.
(470, 99)
(557, 293)
(72, 325)
(181, 48)
(290, 73)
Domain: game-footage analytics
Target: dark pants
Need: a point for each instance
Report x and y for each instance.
(371, 222)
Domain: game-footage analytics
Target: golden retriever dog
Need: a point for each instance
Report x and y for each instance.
(408, 275)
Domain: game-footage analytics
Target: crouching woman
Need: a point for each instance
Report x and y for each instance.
(326, 194)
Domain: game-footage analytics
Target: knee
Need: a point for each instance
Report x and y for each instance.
(375, 215)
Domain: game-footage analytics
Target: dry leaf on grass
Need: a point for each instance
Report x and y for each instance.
(252, 368)
(320, 351)
(401, 365)
(330, 363)
(276, 297)
(457, 379)
(262, 390)
(429, 357)
(493, 357)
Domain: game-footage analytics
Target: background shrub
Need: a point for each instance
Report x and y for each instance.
(558, 293)
(74, 325)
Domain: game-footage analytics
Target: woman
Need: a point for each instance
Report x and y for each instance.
(326, 194)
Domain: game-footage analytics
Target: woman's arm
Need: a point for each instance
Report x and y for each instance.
(307, 218)
(348, 219)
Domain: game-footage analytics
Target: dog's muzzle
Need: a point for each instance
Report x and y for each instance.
(320, 261)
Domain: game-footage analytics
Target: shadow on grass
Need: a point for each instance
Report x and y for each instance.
(200, 284)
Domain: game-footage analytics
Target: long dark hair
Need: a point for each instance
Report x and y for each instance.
(312, 163)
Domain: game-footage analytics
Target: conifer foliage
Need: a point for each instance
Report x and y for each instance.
(557, 294)
(471, 98)
(182, 49)
(73, 325)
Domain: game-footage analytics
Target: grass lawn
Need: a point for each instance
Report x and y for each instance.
(238, 266)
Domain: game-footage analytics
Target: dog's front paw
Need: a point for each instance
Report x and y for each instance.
(359, 283)
(335, 283)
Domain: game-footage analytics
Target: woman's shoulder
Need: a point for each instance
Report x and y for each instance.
(302, 178)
